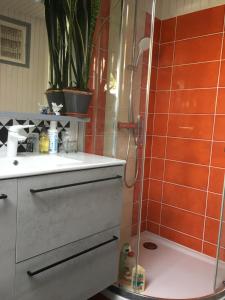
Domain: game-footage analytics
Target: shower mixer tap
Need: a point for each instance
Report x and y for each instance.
(138, 128)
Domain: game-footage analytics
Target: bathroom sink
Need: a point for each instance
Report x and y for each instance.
(28, 164)
(35, 164)
(36, 161)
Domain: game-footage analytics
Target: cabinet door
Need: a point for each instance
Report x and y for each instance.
(73, 272)
(8, 202)
(64, 208)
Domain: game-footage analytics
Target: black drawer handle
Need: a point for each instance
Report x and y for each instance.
(31, 274)
(34, 191)
(3, 196)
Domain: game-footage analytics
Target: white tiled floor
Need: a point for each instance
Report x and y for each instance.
(174, 271)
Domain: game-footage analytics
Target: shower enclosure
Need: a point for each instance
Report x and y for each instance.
(164, 113)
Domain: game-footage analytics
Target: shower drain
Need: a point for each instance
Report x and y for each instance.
(150, 245)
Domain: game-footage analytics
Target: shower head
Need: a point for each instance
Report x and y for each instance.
(142, 46)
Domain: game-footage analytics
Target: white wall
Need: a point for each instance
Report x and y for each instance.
(21, 89)
(170, 8)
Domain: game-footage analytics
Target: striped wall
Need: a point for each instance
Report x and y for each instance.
(21, 89)
(166, 9)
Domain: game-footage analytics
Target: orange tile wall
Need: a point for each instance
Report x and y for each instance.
(185, 149)
(94, 135)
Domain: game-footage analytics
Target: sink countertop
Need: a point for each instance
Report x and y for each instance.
(34, 164)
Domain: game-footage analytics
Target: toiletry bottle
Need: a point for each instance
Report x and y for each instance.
(138, 278)
(53, 138)
(123, 256)
(43, 141)
(130, 264)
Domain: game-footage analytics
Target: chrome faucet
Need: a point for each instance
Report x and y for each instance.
(14, 136)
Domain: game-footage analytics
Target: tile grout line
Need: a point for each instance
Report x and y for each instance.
(185, 210)
(195, 37)
(190, 89)
(192, 63)
(167, 127)
(213, 131)
(187, 138)
(189, 114)
(185, 186)
(184, 162)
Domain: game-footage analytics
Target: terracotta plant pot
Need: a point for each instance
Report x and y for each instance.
(77, 102)
(55, 96)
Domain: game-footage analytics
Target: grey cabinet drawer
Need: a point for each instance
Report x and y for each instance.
(58, 215)
(76, 279)
(8, 203)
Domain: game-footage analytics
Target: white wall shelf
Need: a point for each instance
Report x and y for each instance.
(34, 116)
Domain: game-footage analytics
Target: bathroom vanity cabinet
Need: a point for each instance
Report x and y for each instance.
(8, 207)
(59, 234)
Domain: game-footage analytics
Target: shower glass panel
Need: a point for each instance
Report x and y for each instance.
(128, 127)
(220, 263)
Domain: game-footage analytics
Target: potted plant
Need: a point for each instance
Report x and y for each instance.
(55, 18)
(81, 23)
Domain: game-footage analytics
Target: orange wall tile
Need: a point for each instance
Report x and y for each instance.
(216, 180)
(164, 78)
(206, 48)
(160, 124)
(158, 146)
(168, 30)
(220, 109)
(190, 126)
(162, 99)
(197, 101)
(153, 78)
(186, 131)
(181, 238)
(218, 154)
(200, 23)
(219, 133)
(187, 174)
(155, 55)
(209, 249)
(222, 74)
(154, 209)
(211, 230)
(184, 197)
(194, 151)
(214, 205)
(153, 227)
(155, 190)
(183, 221)
(157, 168)
(145, 189)
(195, 76)
(166, 54)
(157, 29)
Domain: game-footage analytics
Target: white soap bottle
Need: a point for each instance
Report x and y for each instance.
(53, 138)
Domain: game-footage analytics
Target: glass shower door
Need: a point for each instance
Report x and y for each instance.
(220, 260)
(121, 72)
(130, 124)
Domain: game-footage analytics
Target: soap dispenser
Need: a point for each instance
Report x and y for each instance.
(53, 138)
(44, 141)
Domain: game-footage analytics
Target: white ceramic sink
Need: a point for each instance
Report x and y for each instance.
(36, 161)
(33, 164)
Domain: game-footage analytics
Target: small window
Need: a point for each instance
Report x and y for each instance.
(14, 42)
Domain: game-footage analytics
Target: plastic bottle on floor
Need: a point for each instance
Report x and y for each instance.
(123, 257)
(130, 263)
(138, 278)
